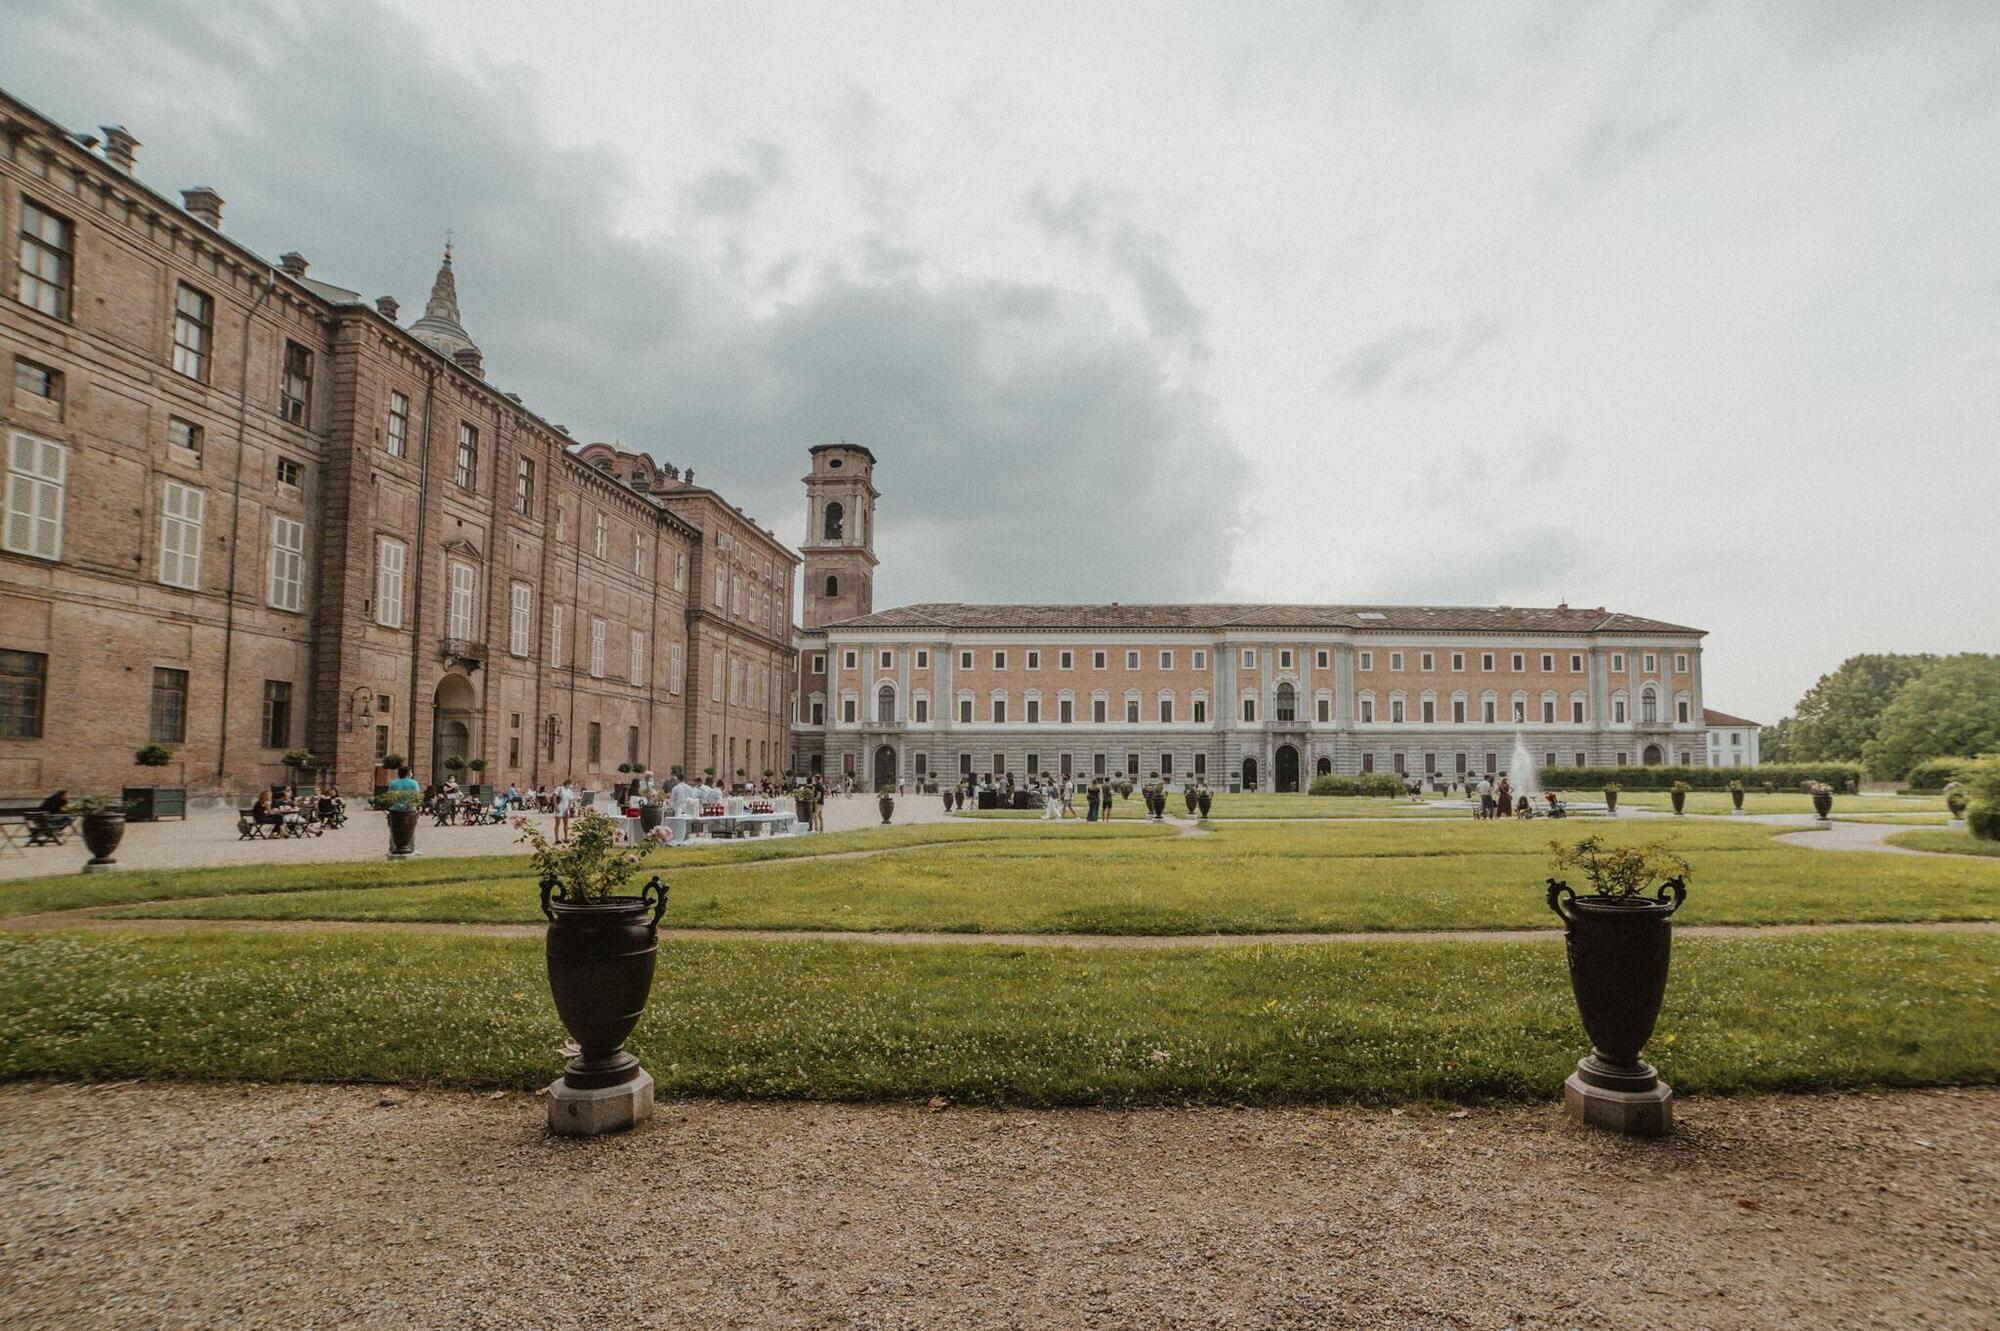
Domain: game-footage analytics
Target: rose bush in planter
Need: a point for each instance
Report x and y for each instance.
(602, 946)
(1822, 799)
(1736, 795)
(1679, 795)
(885, 799)
(1619, 936)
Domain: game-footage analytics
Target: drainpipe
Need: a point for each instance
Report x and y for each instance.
(236, 517)
(417, 560)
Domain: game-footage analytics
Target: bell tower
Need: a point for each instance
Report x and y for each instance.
(839, 548)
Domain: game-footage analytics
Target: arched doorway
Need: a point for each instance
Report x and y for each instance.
(1249, 773)
(1324, 767)
(1286, 770)
(1652, 757)
(885, 767)
(454, 714)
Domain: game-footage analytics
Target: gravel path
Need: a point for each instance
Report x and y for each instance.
(143, 1206)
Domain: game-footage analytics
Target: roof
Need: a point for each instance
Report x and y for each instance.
(817, 449)
(1711, 717)
(1204, 616)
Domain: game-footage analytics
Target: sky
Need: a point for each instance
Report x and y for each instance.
(1692, 311)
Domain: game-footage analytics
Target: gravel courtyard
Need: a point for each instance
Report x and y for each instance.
(322, 1206)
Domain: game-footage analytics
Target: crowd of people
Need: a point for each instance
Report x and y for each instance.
(283, 811)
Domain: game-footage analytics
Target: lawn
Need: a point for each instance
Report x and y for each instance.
(997, 1025)
(1756, 801)
(1949, 842)
(1239, 879)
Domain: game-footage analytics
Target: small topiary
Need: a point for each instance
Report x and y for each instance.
(154, 755)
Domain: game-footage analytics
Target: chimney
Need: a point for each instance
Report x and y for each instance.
(118, 147)
(469, 360)
(205, 204)
(386, 307)
(293, 263)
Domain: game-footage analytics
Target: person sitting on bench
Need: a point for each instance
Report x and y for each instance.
(48, 820)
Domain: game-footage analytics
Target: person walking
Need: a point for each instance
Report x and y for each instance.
(565, 802)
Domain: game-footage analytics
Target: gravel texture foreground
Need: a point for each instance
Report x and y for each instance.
(322, 1206)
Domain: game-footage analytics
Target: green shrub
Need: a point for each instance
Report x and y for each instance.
(1367, 783)
(1982, 789)
(1775, 776)
(1937, 773)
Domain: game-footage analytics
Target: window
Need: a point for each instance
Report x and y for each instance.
(194, 323)
(1395, 662)
(382, 746)
(722, 587)
(1618, 663)
(521, 608)
(999, 660)
(1034, 660)
(24, 681)
(1519, 661)
(594, 745)
(1681, 710)
(1034, 764)
(885, 660)
(389, 583)
(1582, 759)
(458, 609)
(524, 486)
(555, 635)
(596, 648)
(1131, 711)
(1520, 709)
(965, 660)
(674, 670)
(1166, 711)
(1131, 660)
(36, 474)
(1548, 662)
(1288, 703)
(1576, 668)
(1618, 716)
(1486, 661)
(288, 558)
(1320, 659)
(1200, 712)
(1649, 708)
(288, 475)
(1200, 763)
(180, 535)
(1576, 713)
(1458, 661)
(168, 722)
(1033, 714)
(1099, 710)
(1489, 710)
(832, 529)
(1066, 711)
(1429, 711)
(1249, 707)
(399, 425)
(850, 659)
(1652, 664)
(1285, 659)
(680, 570)
(1458, 711)
(1249, 658)
(277, 714)
(637, 673)
(920, 708)
(1367, 706)
(1680, 663)
(1367, 661)
(1429, 663)
(295, 386)
(832, 586)
(1066, 660)
(999, 763)
(1548, 711)
(184, 435)
(817, 666)
(638, 553)
(47, 260)
(600, 541)
(1367, 762)
(1000, 711)
(965, 710)
(1396, 711)
(1097, 660)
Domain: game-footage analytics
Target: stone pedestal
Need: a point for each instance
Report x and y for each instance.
(92, 866)
(575, 1113)
(1955, 824)
(1822, 822)
(1648, 1113)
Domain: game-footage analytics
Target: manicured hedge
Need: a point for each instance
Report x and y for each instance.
(1781, 776)
(1367, 783)
(1936, 773)
(1982, 785)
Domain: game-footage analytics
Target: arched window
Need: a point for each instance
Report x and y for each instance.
(834, 514)
(1649, 707)
(1288, 703)
(885, 703)
(832, 585)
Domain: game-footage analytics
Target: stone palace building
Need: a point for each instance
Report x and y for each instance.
(248, 513)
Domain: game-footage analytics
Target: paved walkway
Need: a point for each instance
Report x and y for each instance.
(140, 1206)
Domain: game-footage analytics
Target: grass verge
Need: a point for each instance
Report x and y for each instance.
(1946, 842)
(991, 1025)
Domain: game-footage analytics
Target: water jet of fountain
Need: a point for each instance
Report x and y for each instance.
(1523, 764)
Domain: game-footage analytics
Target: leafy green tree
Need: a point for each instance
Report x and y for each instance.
(1774, 741)
(1952, 708)
(1839, 714)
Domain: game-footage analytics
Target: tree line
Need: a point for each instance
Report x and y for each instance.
(1892, 711)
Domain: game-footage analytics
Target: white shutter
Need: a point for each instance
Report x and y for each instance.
(180, 535)
(461, 601)
(36, 472)
(638, 657)
(288, 543)
(597, 649)
(521, 620)
(555, 635)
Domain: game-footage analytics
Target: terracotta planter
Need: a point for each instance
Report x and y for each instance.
(403, 832)
(102, 832)
(601, 957)
(1619, 949)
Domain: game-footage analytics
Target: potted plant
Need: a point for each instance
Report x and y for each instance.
(402, 808)
(805, 800)
(948, 792)
(301, 764)
(1618, 936)
(385, 771)
(1191, 798)
(885, 799)
(1678, 793)
(103, 829)
(1954, 803)
(1611, 797)
(602, 945)
(1736, 798)
(477, 766)
(454, 764)
(143, 804)
(1204, 800)
(1822, 799)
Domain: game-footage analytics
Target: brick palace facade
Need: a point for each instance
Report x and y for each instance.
(248, 512)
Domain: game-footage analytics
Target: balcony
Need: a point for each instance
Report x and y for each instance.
(462, 651)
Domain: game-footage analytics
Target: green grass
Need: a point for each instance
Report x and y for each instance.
(1240, 879)
(1756, 801)
(1947, 842)
(1895, 819)
(27, 896)
(993, 1025)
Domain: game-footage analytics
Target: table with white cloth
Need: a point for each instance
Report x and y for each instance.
(779, 822)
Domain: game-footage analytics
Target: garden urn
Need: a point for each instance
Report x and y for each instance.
(1618, 953)
(1822, 801)
(1680, 799)
(601, 956)
(402, 833)
(1206, 799)
(650, 814)
(1192, 800)
(102, 832)
(887, 803)
(1736, 799)
(1610, 801)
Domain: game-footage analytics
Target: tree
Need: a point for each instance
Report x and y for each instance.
(1774, 742)
(1839, 714)
(1952, 708)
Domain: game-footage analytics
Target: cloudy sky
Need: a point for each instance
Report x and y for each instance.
(1689, 310)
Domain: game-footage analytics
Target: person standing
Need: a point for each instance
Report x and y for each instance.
(1094, 800)
(565, 801)
(1503, 795)
(1485, 797)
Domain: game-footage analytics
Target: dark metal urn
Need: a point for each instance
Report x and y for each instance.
(102, 832)
(888, 806)
(403, 832)
(1189, 795)
(650, 814)
(1206, 799)
(601, 957)
(1679, 798)
(1823, 804)
(1618, 953)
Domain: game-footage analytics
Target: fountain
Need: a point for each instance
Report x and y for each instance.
(1522, 773)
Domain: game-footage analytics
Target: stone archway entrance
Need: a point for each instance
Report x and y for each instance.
(454, 717)
(1249, 773)
(1286, 770)
(1652, 757)
(885, 767)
